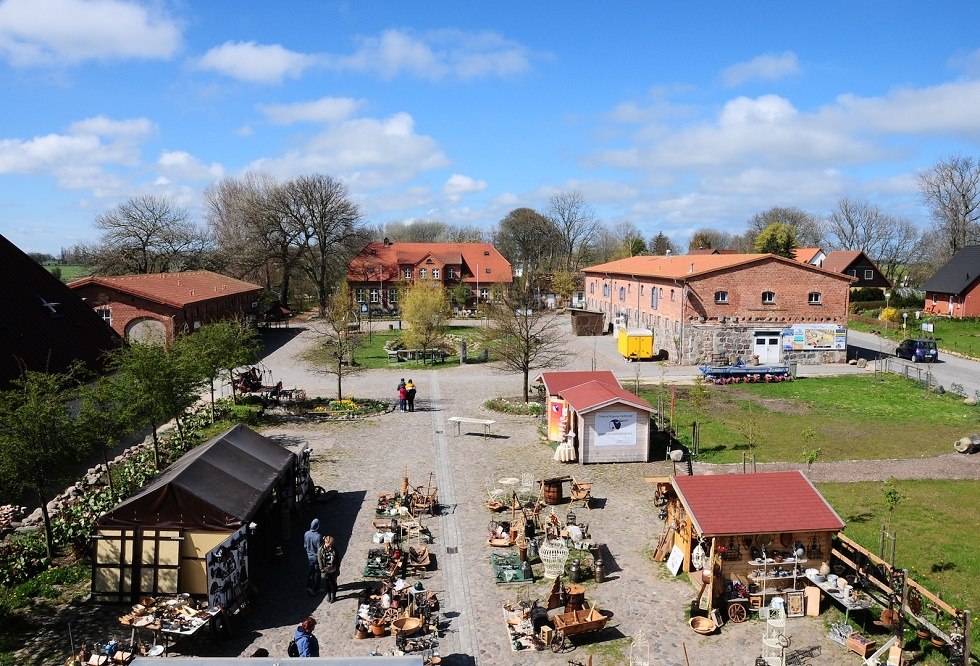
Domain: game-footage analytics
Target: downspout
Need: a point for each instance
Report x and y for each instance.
(680, 338)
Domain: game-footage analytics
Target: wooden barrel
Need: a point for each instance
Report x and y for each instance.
(552, 491)
(576, 598)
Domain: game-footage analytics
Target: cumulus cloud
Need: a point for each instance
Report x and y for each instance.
(183, 165)
(54, 32)
(255, 63)
(767, 67)
(435, 55)
(368, 153)
(458, 185)
(324, 110)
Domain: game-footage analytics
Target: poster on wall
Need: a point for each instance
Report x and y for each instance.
(557, 419)
(801, 337)
(615, 428)
(228, 571)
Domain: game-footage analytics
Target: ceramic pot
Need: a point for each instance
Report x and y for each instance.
(824, 569)
(937, 641)
(378, 629)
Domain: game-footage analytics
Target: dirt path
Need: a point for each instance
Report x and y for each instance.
(947, 466)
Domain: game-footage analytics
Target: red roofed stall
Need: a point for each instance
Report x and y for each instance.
(744, 531)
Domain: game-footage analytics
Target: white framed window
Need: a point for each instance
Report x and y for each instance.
(392, 295)
(375, 295)
(359, 294)
(721, 297)
(622, 293)
(407, 273)
(868, 274)
(592, 288)
(435, 273)
(423, 273)
(933, 298)
(654, 300)
(768, 297)
(451, 273)
(853, 272)
(605, 290)
(106, 315)
(485, 293)
(813, 298)
(672, 295)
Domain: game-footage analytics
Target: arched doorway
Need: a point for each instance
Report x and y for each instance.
(147, 331)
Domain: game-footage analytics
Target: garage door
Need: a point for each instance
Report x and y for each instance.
(766, 347)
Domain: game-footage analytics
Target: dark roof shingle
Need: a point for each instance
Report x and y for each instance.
(957, 274)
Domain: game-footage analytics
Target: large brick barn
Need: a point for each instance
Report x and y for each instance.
(703, 306)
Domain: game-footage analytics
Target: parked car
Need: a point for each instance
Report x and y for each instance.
(918, 350)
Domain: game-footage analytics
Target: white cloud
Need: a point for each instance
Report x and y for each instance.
(969, 63)
(324, 110)
(768, 67)
(458, 185)
(51, 32)
(435, 55)
(255, 63)
(185, 166)
(368, 153)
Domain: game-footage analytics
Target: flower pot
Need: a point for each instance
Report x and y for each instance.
(937, 641)
(361, 633)
(922, 633)
(378, 629)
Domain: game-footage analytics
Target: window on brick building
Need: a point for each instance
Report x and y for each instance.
(591, 288)
(654, 300)
(375, 295)
(721, 297)
(768, 297)
(435, 273)
(392, 295)
(813, 298)
(407, 273)
(106, 315)
(423, 273)
(605, 290)
(359, 294)
(672, 295)
(622, 293)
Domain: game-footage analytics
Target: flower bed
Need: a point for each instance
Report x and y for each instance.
(348, 408)
(753, 378)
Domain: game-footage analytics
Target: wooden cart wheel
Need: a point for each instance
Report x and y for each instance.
(737, 613)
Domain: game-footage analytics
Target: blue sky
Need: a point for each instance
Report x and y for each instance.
(670, 115)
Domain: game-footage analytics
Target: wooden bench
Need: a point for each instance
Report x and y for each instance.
(457, 421)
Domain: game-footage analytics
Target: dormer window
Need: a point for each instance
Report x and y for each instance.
(486, 253)
(721, 297)
(408, 273)
(813, 298)
(768, 298)
(429, 260)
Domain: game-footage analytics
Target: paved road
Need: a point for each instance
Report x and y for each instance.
(950, 369)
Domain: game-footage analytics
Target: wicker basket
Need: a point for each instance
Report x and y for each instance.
(703, 625)
(406, 625)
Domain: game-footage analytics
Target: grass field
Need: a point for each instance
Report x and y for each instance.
(854, 417)
(371, 354)
(937, 533)
(69, 272)
(959, 335)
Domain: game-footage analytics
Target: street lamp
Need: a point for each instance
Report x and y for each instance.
(888, 296)
(905, 320)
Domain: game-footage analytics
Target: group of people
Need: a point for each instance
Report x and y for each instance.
(406, 395)
(324, 566)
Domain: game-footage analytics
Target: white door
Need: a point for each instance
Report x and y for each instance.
(766, 347)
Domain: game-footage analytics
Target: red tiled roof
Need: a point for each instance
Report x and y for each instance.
(174, 289)
(839, 260)
(806, 254)
(473, 257)
(763, 503)
(593, 395)
(556, 382)
(692, 266)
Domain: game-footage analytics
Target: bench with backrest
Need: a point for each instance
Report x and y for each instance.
(457, 421)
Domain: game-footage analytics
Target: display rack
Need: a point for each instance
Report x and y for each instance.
(774, 640)
(773, 578)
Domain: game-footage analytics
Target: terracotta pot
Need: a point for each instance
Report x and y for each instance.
(937, 641)
(378, 629)
(922, 633)
(361, 634)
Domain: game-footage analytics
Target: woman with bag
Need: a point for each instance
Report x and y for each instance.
(329, 562)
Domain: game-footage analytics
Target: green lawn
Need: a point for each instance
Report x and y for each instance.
(69, 272)
(854, 417)
(937, 533)
(372, 355)
(959, 335)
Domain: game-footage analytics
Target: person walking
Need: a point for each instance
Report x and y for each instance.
(306, 642)
(402, 398)
(329, 562)
(311, 541)
(410, 394)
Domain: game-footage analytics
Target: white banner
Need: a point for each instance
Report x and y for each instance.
(615, 428)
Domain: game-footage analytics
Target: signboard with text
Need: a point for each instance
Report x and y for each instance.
(814, 336)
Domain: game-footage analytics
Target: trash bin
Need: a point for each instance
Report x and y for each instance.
(792, 369)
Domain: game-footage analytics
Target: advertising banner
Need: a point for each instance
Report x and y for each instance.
(615, 428)
(557, 419)
(814, 336)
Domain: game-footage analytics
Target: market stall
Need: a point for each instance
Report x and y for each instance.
(747, 539)
(200, 526)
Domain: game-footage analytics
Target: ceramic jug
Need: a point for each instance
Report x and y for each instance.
(824, 569)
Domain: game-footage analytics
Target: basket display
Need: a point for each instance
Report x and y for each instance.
(703, 625)
(406, 625)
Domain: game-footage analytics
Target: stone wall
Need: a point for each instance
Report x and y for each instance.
(704, 341)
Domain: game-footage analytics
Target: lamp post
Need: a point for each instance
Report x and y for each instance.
(888, 296)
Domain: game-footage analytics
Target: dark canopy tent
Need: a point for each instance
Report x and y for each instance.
(156, 540)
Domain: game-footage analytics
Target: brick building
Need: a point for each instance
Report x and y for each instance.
(856, 264)
(954, 290)
(158, 306)
(701, 307)
(380, 269)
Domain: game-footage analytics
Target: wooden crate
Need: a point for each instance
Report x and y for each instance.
(861, 645)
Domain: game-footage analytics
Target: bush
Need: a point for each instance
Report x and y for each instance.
(890, 314)
(867, 294)
(514, 407)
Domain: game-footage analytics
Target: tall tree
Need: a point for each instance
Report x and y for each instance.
(709, 239)
(777, 238)
(528, 240)
(425, 307)
(217, 349)
(330, 224)
(148, 234)
(951, 190)
(340, 336)
(576, 224)
(893, 244)
(661, 245)
(630, 240)
(41, 440)
(808, 229)
(523, 338)
(255, 239)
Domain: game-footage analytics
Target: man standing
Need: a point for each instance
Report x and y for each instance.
(410, 395)
(311, 541)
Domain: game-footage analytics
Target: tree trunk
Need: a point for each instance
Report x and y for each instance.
(48, 537)
(231, 377)
(340, 387)
(527, 371)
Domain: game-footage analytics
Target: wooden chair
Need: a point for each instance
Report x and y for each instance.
(528, 489)
(582, 492)
(424, 501)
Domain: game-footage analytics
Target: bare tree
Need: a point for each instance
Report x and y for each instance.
(417, 231)
(629, 239)
(527, 239)
(576, 224)
(465, 233)
(892, 243)
(148, 234)
(257, 242)
(521, 338)
(951, 190)
(340, 336)
(330, 228)
(809, 231)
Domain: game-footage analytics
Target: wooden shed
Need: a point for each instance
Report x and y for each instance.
(747, 534)
(222, 504)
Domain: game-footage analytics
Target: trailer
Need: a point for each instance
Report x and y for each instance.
(635, 344)
(741, 373)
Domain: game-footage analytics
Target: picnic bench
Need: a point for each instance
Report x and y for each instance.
(457, 422)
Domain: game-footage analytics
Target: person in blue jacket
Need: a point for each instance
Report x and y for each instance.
(306, 642)
(311, 541)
